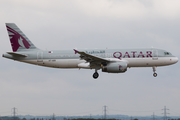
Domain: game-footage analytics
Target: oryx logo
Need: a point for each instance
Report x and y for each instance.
(17, 40)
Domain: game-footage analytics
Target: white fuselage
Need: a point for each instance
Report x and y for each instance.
(68, 59)
(132, 62)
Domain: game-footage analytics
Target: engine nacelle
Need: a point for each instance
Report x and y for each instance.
(116, 67)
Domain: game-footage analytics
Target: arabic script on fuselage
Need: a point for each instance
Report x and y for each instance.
(95, 52)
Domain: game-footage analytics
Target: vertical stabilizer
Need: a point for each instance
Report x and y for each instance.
(18, 39)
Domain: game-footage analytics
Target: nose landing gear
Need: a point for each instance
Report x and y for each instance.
(154, 74)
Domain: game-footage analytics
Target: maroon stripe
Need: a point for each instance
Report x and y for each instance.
(11, 30)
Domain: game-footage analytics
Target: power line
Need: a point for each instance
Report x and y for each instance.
(133, 111)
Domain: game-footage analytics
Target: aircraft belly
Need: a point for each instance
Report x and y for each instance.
(62, 63)
(56, 63)
(68, 63)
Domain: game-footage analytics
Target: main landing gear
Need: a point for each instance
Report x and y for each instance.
(96, 74)
(154, 74)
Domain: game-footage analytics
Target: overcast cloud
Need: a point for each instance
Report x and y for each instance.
(68, 24)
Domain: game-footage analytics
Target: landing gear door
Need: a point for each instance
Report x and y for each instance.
(39, 56)
(155, 54)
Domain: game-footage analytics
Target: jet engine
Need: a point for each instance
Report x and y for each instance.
(115, 67)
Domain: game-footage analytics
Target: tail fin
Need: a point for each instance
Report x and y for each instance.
(18, 39)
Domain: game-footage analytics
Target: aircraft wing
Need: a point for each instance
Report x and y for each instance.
(91, 58)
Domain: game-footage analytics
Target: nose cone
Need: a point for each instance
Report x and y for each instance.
(175, 59)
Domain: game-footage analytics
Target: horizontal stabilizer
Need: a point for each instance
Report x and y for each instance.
(17, 54)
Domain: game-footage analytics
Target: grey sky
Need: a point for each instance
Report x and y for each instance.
(62, 24)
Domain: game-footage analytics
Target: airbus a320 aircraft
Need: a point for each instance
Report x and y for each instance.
(109, 60)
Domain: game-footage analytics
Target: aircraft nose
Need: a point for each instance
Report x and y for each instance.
(175, 59)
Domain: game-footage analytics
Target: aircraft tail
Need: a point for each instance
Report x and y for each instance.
(19, 41)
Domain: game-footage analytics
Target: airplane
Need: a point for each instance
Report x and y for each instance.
(108, 60)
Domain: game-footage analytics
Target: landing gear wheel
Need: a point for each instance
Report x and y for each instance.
(155, 74)
(95, 75)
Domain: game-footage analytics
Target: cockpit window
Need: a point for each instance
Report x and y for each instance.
(167, 53)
